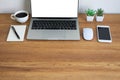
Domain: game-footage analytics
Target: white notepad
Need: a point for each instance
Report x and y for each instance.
(20, 29)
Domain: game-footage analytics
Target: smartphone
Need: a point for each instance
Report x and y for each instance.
(104, 34)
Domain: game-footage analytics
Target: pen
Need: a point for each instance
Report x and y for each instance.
(15, 32)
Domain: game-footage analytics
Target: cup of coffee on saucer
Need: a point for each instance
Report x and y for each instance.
(20, 16)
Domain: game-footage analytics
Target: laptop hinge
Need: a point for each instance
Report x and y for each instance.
(53, 18)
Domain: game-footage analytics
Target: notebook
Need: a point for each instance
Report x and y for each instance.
(20, 29)
(54, 20)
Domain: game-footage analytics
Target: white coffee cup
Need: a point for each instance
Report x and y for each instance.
(20, 16)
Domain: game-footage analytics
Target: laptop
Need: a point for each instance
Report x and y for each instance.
(54, 20)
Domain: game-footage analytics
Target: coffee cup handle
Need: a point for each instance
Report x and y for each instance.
(12, 17)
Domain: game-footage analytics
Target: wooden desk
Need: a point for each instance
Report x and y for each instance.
(61, 60)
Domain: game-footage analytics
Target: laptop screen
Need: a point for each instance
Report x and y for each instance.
(54, 8)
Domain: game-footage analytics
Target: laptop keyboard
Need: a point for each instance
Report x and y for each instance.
(54, 24)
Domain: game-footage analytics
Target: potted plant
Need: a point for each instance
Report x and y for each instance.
(90, 14)
(99, 15)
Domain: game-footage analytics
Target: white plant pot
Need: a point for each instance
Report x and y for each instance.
(90, 18)
(99, 18)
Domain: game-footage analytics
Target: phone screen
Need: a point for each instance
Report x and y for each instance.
(104, 33)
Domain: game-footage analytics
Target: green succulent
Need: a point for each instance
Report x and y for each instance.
(90, 12)
(100, 12)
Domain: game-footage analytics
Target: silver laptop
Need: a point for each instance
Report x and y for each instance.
(54, 20)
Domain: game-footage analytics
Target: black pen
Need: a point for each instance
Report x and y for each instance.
(15, 32)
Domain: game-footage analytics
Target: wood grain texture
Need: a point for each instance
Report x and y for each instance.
(61, 60)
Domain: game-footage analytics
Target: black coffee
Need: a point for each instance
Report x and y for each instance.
(20, 15)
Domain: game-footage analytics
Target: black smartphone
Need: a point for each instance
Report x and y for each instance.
(104, 34)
